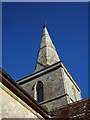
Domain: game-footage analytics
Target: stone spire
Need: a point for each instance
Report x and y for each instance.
(47, 54)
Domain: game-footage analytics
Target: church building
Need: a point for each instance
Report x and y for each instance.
(51, 85)
(50, 92)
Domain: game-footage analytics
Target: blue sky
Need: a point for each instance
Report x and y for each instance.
(22, 28)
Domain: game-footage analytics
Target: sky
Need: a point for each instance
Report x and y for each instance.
(22, 28)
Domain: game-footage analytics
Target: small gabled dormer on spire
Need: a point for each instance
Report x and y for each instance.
(47, 54)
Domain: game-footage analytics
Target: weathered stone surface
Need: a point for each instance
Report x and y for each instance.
(47, 54)
(12, 106)
(52, 105)
(71, 90)
(53, 84)
(57, 87)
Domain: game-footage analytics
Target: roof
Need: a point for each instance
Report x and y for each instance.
(22, 94)
(78, 110)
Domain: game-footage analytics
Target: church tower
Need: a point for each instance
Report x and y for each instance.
(51, 84)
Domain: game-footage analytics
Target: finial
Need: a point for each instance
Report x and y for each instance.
(45, 24)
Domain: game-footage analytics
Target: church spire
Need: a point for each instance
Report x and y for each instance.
(47, 54)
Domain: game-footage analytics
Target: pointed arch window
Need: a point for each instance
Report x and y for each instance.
(39, 89)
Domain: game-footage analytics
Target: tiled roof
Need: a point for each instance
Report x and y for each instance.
(75, 111)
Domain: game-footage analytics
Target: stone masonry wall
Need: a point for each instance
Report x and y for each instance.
(71, 89)
(11, 108)
(54, 104)
(53, 84)
(56, 83)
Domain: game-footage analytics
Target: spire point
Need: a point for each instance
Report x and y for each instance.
(47, 53)
(45, 24)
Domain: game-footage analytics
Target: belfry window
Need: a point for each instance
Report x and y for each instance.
(39, 89)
